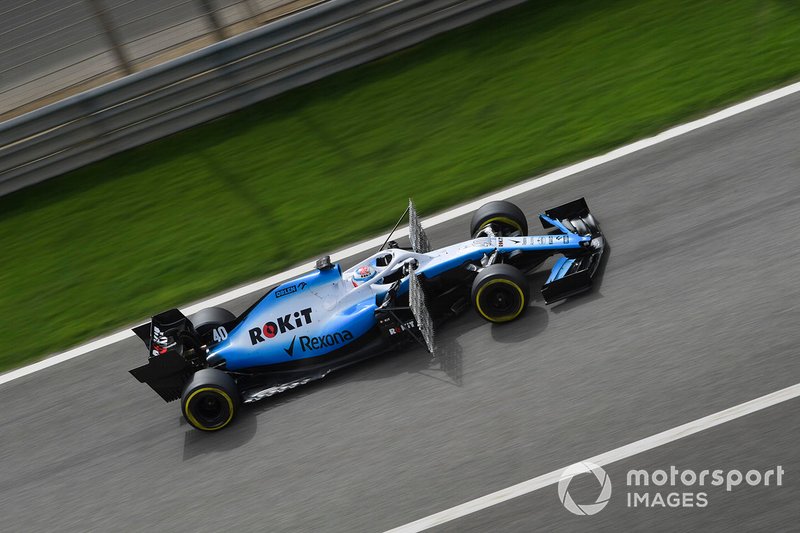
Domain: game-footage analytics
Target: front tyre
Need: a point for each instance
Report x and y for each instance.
(210, 400)
(505, 219)
(500, 293)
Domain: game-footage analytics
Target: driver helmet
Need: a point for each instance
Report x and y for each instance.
(363, 273)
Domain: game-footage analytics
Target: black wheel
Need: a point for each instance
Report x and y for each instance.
(505, 218)
(210, 400)
(210, 318)
(500, 293)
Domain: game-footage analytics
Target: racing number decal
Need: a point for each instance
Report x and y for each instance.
(220, 334)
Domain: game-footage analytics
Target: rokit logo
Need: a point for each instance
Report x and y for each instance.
(317, 343)
(282, 324)
(394, 330)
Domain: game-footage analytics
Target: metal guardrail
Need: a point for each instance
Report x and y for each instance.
(50, 50)
(219, 79)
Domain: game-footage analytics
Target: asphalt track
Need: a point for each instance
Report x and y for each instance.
(697, 311)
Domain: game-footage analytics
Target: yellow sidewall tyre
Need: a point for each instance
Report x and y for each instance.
(506, 219)
(500, 293)
(210, 400)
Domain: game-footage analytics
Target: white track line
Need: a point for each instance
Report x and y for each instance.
(603, 459)
(524, 187)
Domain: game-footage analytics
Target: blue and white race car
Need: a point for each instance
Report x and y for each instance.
(302, 329)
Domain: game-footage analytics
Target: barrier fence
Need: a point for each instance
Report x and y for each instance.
(49, 50)
(218, 79)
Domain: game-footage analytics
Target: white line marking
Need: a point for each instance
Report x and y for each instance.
(603, 459)
(524, 187)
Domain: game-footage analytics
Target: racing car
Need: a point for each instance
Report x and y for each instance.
(302, 329)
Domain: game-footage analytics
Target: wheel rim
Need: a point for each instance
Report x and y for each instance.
(500, 300)
(209, 409)
(502, 226)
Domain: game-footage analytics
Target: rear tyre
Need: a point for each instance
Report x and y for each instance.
(500, 293)
(505, 218)
(210, 400)
(207, 319)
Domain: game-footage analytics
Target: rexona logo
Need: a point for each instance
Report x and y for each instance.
(290, 289)
(282, 324)
(331, 340)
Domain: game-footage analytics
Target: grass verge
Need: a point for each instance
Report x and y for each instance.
(470, 111)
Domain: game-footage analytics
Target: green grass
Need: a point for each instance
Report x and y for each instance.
(293, 177)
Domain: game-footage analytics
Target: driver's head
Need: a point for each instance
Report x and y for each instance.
(363, 273)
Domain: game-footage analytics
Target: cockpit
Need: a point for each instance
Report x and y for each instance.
(383, 268)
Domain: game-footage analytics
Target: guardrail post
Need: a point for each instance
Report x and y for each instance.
(213, 18)
(250, 8)
(103, 17)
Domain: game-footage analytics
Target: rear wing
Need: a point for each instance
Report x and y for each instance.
(163, 329)
(171, 342)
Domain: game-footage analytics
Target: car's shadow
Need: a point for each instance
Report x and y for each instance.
(446, 365)
(537, 279)
(530, 324)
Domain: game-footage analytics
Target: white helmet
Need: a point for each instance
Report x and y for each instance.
(363, 273)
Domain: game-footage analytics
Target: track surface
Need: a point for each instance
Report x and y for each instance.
(697, 311)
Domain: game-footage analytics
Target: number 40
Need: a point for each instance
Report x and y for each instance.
(220, 334)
